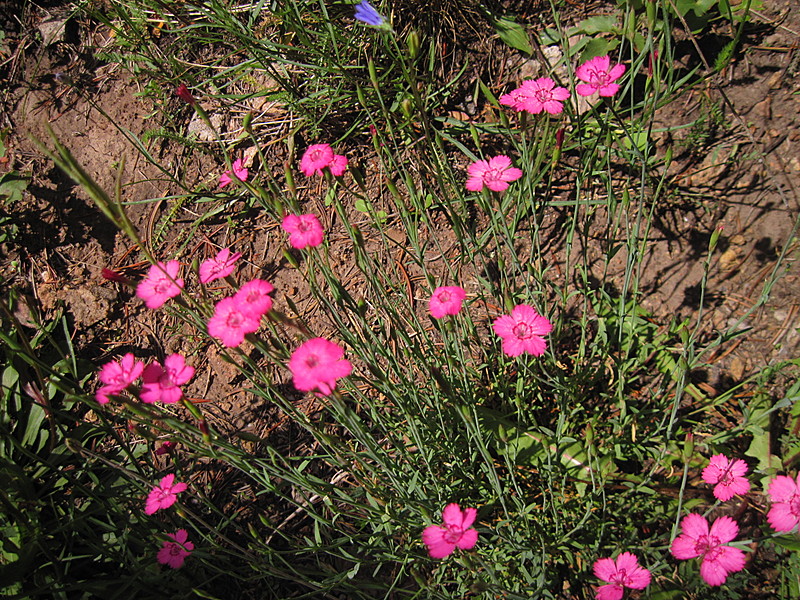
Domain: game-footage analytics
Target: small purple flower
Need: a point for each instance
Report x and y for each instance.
(367, 14)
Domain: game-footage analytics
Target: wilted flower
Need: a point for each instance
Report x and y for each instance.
(184, 94)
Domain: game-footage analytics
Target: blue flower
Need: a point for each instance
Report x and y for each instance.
(367, 14)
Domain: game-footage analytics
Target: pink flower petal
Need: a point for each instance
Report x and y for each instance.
(725, 529)
(433, 537)
(610, 591)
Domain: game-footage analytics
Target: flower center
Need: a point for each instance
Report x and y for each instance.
(303, 227)
(620, 577)
(316, 155)
(453, 534)
(234, 320)
(493, 175)
(521, 330)
(444, 297)
(707, 546)
(794, 505)
(598, 78)
(312, 361)
(162, 286)
(544, 95)
(175, 550)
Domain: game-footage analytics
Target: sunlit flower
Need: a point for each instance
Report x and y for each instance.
(446, 300)
(317, 364)
(218, 267)
(174, 553)
(164, 494)
(304, 230)
(239, 172)
(162, 384)
(784, 493)
(494, 174)
(624, 572)
(254, 299)
(230, 324)
(728, 475)
(522, 331)
(537, 95)
(367, 14)
(599, 76)
(457, 532)
(161, 284)
(319, 156)
(697, 540)
(118, 375)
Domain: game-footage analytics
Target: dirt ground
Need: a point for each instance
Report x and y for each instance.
(738, 169)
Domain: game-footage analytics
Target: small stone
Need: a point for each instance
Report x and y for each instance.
(728, 259)
(764, 108)
(736, 368)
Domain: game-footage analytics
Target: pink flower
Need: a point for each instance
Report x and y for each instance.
(338, 165)
(494, 174)
(728, 475)
(163, 495)
(117, 376)
(303, 230)
(254, 299)
(218, 267)
(239, 172)
(624, 572)
(457, 532)
(230, 323)
(697, 540)
(319, 156)
(161, 384)
(522, 331)
(317, 364)
(537, 95)
(599, 76)
(174, 553)
(446, 300)
(161, 284)
(784, 492)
